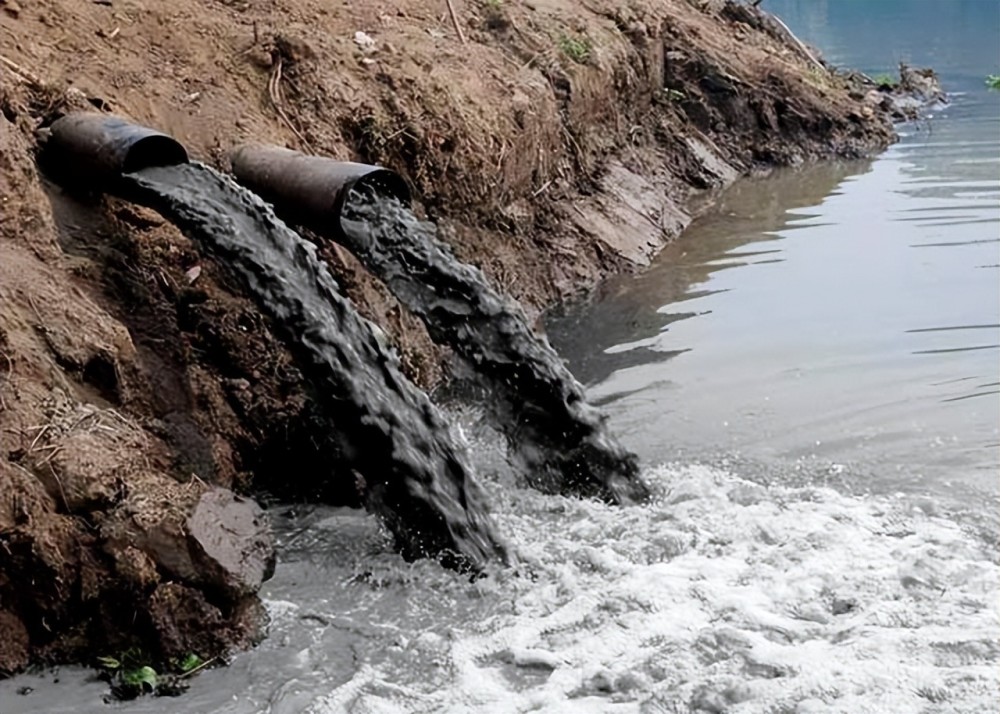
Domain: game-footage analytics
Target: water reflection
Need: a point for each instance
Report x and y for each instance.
(617, 328)
(846, 312)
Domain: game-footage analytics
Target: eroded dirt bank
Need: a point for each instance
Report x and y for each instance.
(140, 393)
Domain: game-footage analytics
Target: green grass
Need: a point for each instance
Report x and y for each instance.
(885, 80)
(993, 81)
(577, 49)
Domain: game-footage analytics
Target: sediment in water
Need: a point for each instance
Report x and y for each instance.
(416, 478)
(562, 440)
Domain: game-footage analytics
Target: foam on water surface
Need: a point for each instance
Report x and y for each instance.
(720, 595)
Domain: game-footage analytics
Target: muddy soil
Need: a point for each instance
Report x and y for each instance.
(555, 141)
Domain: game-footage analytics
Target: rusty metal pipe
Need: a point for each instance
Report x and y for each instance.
(94, 151)
(310, 190)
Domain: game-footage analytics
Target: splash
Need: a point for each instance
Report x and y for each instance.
(562, 440)
(417, 477)
(719, 595)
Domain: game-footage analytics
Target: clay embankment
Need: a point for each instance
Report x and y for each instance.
(558, 143)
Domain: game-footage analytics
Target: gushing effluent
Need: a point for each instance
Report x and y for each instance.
(416, 476)
(563, 442)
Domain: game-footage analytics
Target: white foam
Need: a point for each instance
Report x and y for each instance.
(721, 595)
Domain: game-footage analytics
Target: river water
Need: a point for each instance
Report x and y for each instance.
(846, 314)
(809, 377)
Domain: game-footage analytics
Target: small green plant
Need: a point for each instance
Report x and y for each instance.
(577, 49)
(885, 80)
(190, 664)
(494, 4)
(993, 81)
(131, 674)
(672, 95)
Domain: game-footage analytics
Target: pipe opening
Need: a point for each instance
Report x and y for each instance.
(383, 183)
(154, 150)
(379, 183)
(91, 152)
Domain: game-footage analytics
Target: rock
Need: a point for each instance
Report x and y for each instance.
(233, 535)
(203, 536)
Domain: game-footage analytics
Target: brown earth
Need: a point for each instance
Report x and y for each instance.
(559, 142)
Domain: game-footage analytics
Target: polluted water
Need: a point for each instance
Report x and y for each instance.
(415, 474)
(718, 594)
(727, 590)
(563, 442)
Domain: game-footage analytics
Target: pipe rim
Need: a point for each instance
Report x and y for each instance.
(383, 182)
(153, 150)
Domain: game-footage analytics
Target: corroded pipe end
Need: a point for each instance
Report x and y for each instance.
(310, 190)
(95, 150)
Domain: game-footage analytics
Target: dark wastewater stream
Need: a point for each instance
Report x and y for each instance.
(563, 442)
(414, 475)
